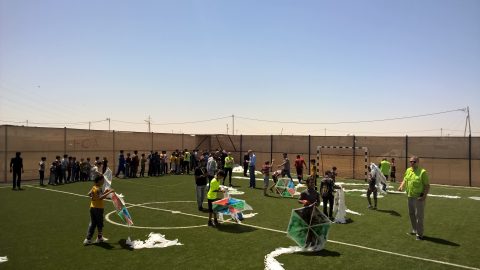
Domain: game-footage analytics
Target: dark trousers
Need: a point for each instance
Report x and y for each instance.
(228, 171)
(42, 176)
(328, 199)
(17, 178)
(121, 169)
(96, 221)
(252, 176)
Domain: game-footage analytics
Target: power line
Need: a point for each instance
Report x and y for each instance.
(352, 122)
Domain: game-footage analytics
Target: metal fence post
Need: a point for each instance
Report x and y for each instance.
(406, 152)
(470, 160)
(271, 147)
(6, 154)
(353, 169)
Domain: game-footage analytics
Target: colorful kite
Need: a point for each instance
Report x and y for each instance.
(308, 227)
(117, 199)
(231, 206)
(285, 187)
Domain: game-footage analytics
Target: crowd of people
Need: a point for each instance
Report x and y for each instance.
(217, 166)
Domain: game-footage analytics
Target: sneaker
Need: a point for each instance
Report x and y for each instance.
(200, 208)
(87, 242)
(369, 207)
(374, 208)
(413, 232)
(420, 238)
(216, 223)
(101, 240)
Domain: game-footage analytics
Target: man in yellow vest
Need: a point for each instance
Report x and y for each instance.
(417, 186)
(228, 168)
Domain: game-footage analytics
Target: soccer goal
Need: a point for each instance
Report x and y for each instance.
(320, 157)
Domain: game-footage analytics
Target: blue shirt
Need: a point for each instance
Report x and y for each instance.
(253, 160)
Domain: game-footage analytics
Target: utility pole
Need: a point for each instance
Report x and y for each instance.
(108, 123)
(233, 124)
(149, 120)
(467, 122)
(89, 124)
(227, 128)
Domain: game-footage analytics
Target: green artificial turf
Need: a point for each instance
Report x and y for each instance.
(43, 229)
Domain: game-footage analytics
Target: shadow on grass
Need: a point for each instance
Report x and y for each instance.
(322, 253)
(104, 245)
(391, 212)
(234, 228)
(347, 221)
(123, 244)
(440, 241)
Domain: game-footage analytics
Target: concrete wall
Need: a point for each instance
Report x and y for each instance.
(445, 158)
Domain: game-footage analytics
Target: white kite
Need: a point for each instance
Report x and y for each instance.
(381, 181)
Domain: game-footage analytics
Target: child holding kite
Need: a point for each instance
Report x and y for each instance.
(96, 209)
(212, 196)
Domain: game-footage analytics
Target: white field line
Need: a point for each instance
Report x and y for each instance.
(284, 232)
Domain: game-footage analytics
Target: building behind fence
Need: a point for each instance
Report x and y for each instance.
(449, 160)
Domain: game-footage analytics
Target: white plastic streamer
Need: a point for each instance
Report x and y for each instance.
(339, 206)
(444, 196)
(353, 212)
(475, 198)
(272, 264)
(155, 240)
(3, 259)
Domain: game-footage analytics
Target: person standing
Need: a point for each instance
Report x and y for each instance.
(372, 188)
(143, 162)
(16, 167)
(212, 196)
(385, 167)
(228, 168)
(299, 163)
(393, 170)
(327, 188)
(285, 166)
(417, 185)
(121, 164)
(267, 167)
(105, 164)
(246, 159)
(41, 170)
(97, 196)
(251, 167)
(200, 183)
(211, 167)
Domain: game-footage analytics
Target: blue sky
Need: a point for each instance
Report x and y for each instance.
(294, 61)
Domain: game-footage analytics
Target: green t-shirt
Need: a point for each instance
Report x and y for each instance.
(214, 186)
(228, 162)
(385, 167)
(416, 180)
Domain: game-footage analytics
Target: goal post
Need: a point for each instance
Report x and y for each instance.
(363, 148)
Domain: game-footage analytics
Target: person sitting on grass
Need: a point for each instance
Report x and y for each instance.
(96, 210)
(212, 196)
